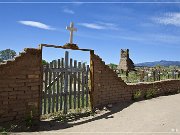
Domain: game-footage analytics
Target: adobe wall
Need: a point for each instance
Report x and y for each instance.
(109, 88)
(20, 86)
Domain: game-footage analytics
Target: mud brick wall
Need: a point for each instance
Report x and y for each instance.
(160, 87)
(108, 88)
(20, 86)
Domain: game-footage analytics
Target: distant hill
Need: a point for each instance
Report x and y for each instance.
(162, 63)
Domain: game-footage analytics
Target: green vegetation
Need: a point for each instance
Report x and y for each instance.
(150, 93)
(113, 66)
(3, 131)
(44, 62)
(7, 54)
(137, 95)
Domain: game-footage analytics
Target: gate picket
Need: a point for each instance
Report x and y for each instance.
(57, 88)
(66, 82)
(45, 89)
(70, 86)
(82, 96)
(61, 79)
(79, 66)
(86, 85)
(75, 74)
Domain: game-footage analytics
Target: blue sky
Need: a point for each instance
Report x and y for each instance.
(150, 30)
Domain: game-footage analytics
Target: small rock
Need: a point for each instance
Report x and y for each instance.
(105, 109)
(97, 111)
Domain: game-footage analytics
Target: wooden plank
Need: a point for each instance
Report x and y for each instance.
(61, 80)
(52, 82)
(53, 89)
(70, 86)
(45, 90)
(66, 82)
(49, 90)
(92, 78)
(57, 87)
(66, 69)
(87, 87)
(83, 85)
(75, 75)
(79, 79)
(55, 46)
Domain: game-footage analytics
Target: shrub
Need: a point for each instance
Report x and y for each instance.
(150, 93)
(137, 95)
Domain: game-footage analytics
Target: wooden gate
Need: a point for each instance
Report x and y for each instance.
(65, 85)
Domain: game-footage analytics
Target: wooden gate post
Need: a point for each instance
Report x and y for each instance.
(92, 78)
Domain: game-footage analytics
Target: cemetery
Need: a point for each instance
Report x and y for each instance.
(29, 89)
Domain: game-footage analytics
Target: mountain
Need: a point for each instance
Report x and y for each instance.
(162, 63)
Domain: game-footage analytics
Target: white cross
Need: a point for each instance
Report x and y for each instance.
(71, 29)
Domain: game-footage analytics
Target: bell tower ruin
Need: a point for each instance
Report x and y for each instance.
(125, 64)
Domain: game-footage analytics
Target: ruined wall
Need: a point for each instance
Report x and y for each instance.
(109, 88)
(125, 64)
(20, 86)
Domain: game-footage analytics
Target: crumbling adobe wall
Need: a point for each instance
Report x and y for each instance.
(20, 86)
(108, 88)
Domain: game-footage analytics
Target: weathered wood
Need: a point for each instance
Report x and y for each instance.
(53, 90)
(45, 90)
(70, 86)
(83, 84)
(66, 69)
(92, 78)
(55, 46)
(86, 85)
(66, 82)
(79, 79)
(61, 89)
(57, 87)
(49, 90)
(75, 74)
(52, 82)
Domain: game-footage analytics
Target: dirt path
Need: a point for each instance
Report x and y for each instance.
(155, 116)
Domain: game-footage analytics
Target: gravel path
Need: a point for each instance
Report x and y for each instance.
(160, 116)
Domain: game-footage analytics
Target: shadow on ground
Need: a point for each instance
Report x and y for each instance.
(56, 125)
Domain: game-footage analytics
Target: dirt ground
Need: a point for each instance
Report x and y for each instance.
(159, 115)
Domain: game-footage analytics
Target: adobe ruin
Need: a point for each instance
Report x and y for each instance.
(125, 64)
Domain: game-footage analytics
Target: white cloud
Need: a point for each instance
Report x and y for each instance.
(92, 26)
(68, 11)
(37, 25)
(99, 25)
(169, 19)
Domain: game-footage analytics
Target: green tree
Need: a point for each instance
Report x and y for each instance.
(44, 62)
(113, 66)
(7, 54)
